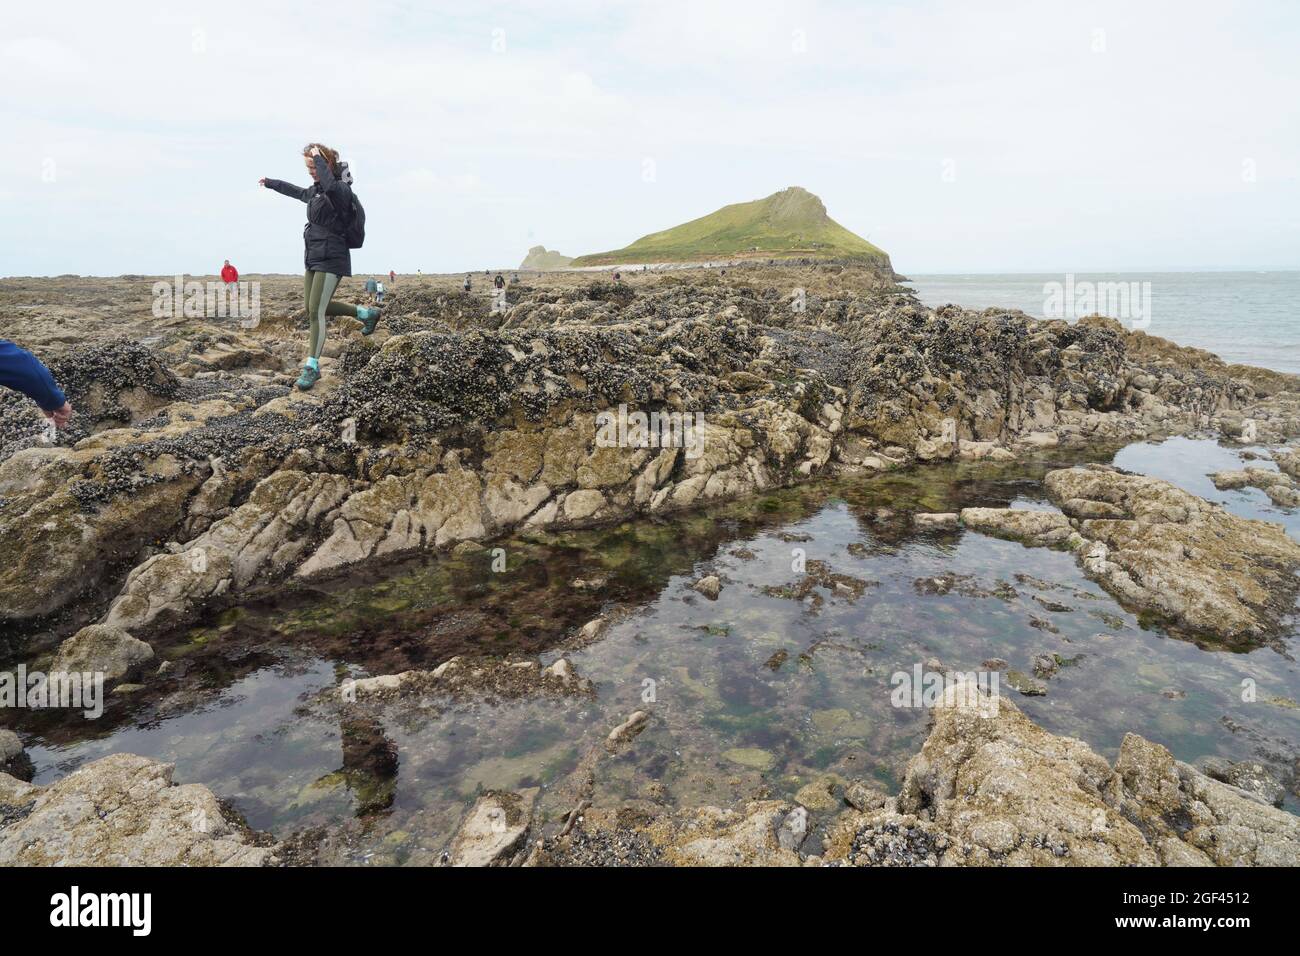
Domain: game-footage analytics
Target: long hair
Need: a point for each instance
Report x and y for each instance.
(331, 155)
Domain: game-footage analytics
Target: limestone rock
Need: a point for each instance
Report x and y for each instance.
(1280, 488)
(495, 828)
(261, 540)
(819, 795)
(864, 798)
(629, 729)
(1246, 775)
(11, 746)
(1042, 528)
(931, 521)
(748, 837)
(710, 586)
(1006, 792)
(102, 648)
(403, 514)
(124, 810)
(55, 548)
(793, 830)
(1192, 562)
(1174, 801)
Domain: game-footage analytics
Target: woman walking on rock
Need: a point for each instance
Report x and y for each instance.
(335, 226)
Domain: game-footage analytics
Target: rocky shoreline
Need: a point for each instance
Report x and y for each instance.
(464, 431)
(195, 480)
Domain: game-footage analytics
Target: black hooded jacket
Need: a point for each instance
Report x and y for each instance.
(329, 211)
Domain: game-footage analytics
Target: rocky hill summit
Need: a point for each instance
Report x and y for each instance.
(790, 224)
(541, 259)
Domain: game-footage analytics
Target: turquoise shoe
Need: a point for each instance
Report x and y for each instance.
(369, 319)
(308, 378)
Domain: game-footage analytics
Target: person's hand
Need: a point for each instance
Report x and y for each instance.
(262, 181)
(315, 150)
(60, 416)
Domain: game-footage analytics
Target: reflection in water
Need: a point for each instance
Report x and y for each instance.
(783, 680)
(1188, 463)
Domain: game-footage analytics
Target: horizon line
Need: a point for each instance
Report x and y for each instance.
(906, 275)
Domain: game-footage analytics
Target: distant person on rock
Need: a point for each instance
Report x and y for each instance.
(23, 372)
(499, 281)
(335, 225)
(468, 284)
(379, 293)
(229, 274)
(392, 276)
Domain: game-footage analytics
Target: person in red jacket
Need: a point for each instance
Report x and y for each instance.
(392, 276)
(229, 273)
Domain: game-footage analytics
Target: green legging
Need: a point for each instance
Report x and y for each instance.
(318, 288)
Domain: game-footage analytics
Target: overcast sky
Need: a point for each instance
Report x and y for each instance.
(957, 136)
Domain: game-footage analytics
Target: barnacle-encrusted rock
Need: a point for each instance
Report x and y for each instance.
(697, 836)
(57, 547)
(458, 422)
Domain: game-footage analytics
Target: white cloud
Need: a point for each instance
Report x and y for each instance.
(42, 56)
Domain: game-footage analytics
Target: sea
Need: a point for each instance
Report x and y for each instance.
(1247, 317)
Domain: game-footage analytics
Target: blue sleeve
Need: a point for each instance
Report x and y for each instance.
(23, 372)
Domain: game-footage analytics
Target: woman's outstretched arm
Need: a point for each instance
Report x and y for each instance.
(287, 189)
